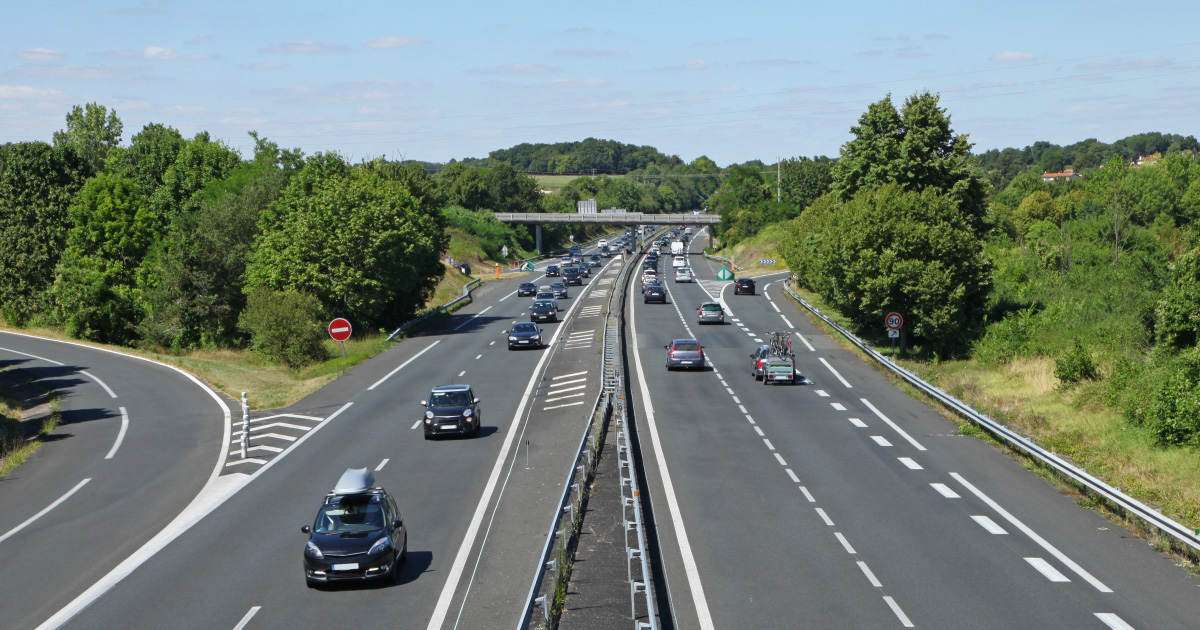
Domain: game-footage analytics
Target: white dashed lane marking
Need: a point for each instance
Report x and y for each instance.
(1043, 567)
(989, 525)
(945, 491)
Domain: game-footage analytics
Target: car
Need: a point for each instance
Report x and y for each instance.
(761, 358)
(583, 270)
(571, 276)
(679, 261)
(544, 311)
(605, 252)
(649, 264)
(602, 244)
(710, 313)
(358, 533)
(524, 335)
(552, 271)
(565, 260)
(544, 293)
(683, 275)
(654, 293)
(451, 409)
(576, 260)
(526, 288)
(649, 281)
(559, 289)
(685, 353)
(595, 261)
(743, 285)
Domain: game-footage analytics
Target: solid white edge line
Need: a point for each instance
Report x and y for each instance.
(835, 372)
(685, 549)
(44, 510)
(894, 426)
(899, 613)
(401, 366)
(1048, 570)
(382, 464)
(454, 576)
(108, 389)
(1062, 557)
(120, 434)
(32, 356)
(245, 620)
(810, 347)
(1113, 621)
(214, 493)
(469, 320)
(870, 576)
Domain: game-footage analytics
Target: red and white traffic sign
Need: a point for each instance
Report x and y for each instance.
(894, 321)
(339, 329)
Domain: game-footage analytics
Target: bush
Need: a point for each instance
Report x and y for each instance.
(285, 326)
(1075, 366)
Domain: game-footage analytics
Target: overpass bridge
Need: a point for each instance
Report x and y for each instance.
(537, 219)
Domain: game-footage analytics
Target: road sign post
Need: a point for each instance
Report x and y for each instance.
(894, 322)
(340, 330)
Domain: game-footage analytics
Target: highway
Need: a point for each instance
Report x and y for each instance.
(842, 502)
(476, 509)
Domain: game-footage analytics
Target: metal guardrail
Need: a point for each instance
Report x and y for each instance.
(735, 266)
(1148, 515)
(466, 295)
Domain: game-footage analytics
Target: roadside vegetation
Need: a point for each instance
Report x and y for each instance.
(18, 439)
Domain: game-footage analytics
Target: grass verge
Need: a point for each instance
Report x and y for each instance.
(750, 253)
(15, 445)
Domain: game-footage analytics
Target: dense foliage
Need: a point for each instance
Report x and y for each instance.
(590, 156)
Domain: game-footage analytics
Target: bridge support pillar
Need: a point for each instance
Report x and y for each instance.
(537, 236)
(709, 238)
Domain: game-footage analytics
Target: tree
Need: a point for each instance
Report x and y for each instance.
(151, 152)
(804, 180)
(199, 162)
(511, 191)
(285, 326)
(1177, 316)
(463, 185)
(92, 131)
(357, 242)
(914, 148)
(1038, 206)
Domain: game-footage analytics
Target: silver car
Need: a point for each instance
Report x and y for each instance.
(559, 289)
(685, 353)
(710, 313)
(683, 275)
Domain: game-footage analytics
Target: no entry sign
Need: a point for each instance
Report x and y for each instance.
(339, 329)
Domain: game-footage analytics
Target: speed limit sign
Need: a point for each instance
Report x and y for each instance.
(894, 321)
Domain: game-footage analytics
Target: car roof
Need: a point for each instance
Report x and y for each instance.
(452, 388)
(675, 341)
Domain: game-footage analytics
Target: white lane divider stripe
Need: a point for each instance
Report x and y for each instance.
(401, 366)
(1062, 557)
(810, 347)
(415, 425)
(894, 426)
(1113, 621)
(120, 434)
(460, 374)
(807, 495)
(57, 502)
(858, 423)
(822, 393)
(759, 431)
(845, 543)
(835, 372)
(774, 307)
(769, 444)
(899, 613)
(838, 406)
(780, 458)
(880, 440)
(382, 464)
(785, 320)
(555, 378)
(108, 389)
(870, 576)
(1043, 567)
(910, 463)
(825, 517)
(245, 620)
(473, 318)
(989, 525)
(945, 491)
(792, 475)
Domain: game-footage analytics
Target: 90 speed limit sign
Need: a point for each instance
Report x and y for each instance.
(894, 321)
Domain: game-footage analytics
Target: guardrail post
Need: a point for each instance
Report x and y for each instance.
(245, 425)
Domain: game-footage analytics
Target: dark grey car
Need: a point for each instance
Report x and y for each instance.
(524, 335)
(451, 409)
(559, 290)
(685, 353)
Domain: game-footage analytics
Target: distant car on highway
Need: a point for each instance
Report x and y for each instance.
(559, 289)
(683, 275)
(552, 271)
(595, 261)
(544, 293)
(544, 311)
(524, 335)
(526, 288)
(743, 286)
(571, 276)
(584, 270)
(685, 353)
(654, 293)
(679, 261)
(451, 409)
(358, 533)
(710, 313)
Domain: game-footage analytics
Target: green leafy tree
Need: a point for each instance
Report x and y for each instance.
(804, 180)
(92, 130)
(463, 185)
(1038, 206)
(199, 162)
(1177, 316)
(37, 184)
(511, 191)
(151, 152)
(285, 326)
(357, 242)
(914, 148)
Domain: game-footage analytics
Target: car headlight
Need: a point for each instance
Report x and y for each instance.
(428, 415)
(511, 338)
(536, 338)
(467, 413)
(312, 551)
(380, 545)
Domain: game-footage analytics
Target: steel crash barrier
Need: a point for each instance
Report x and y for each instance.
(1185, 540)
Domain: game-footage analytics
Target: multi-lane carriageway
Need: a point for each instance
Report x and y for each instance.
(836, 503)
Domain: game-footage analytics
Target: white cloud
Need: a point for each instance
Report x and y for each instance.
(25, 91)
(1012, 55)
(183, 110)
(727, 89)
(395, 42)
(304, 47)
(265, 65)
(578, 83)
(695, 64)
(158, 53)
(517, 69)
(79, 72)
(151, 53)
(200, 41)
(591, 52)
(39, 54)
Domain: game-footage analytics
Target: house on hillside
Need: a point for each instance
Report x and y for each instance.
(1066, 175)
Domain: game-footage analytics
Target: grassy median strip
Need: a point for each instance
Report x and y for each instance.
(15, 445)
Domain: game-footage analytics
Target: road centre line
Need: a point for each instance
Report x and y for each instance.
(33, 356)
(792, 475)
(899, 613)
(1113, 621)
(57, 502)
(382, 464)
(769, 444)
(989, 525)
(896, 428)
(101, 383)
(401, 366)
(759, 430)
(870, 576)
(245, 620)
(690, 568)
(120, 434)
(742, 408)
(780, 458)
(473, 317)
(835, 372)
(454, 576)
(1033, 535)
(1046, 569)
(555, 378)
(807, 494)
(845, 543)
(825, 517)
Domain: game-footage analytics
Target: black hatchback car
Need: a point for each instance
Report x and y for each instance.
(743, 285)
(572, 276)
(543, 311)
(358, 533)
(524, 335)
(552, 271)
(526, 288)
(451, 409)
(654, 293)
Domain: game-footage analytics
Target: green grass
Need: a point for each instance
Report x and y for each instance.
(554, 182)
(761, 246)
(15, 447)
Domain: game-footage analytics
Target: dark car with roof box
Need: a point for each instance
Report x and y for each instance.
(358, 533)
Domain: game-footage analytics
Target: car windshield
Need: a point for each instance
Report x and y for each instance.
(558, 285)
(351, 514)
(711, 307)
(450, 399)
(686, 346)
(543, 304)
(524, 328)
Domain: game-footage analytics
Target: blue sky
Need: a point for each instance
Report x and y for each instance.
(734, 81)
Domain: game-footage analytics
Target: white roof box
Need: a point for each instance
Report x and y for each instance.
(355, 481)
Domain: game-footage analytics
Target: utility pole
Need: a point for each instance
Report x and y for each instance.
(778, 180)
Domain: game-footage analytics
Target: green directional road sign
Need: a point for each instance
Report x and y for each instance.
(724, 274)
(527, 266)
